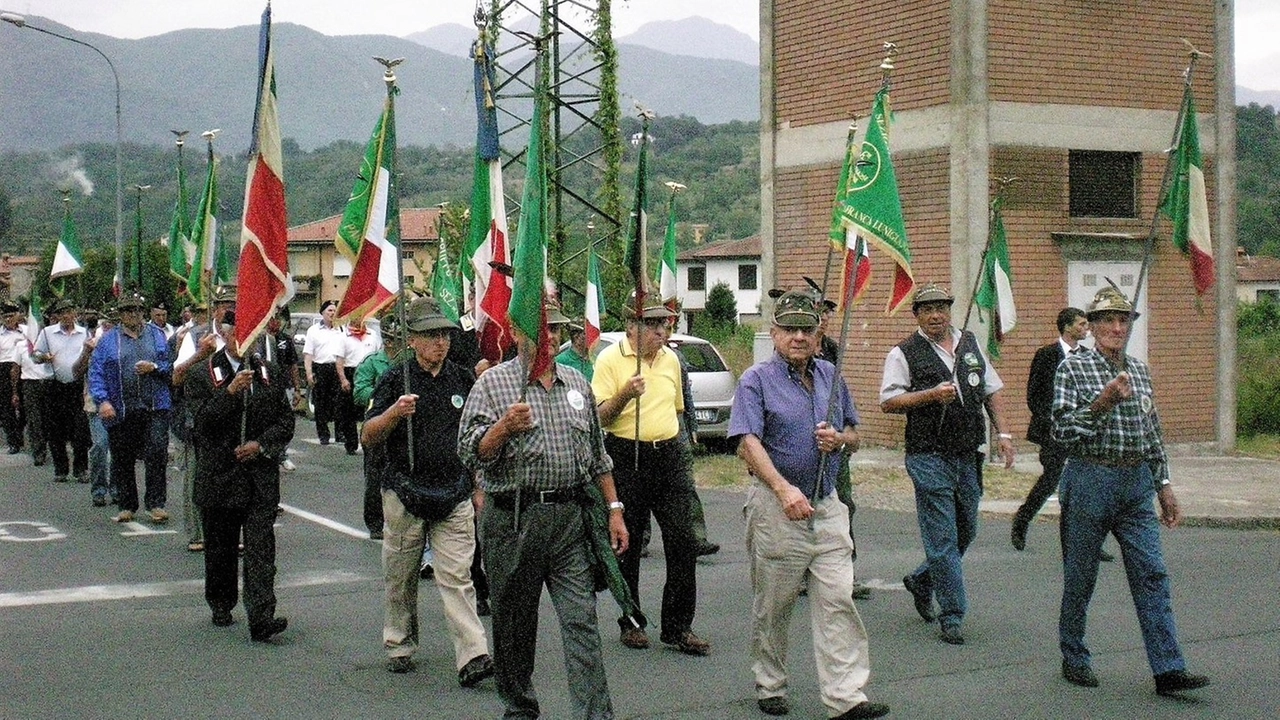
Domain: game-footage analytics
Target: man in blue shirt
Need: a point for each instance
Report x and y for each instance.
(129, 380)
(795, 521)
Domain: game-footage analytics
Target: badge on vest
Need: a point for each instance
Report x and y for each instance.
(1145, 402)
(456, 401)
(576, 400)
(974, 378)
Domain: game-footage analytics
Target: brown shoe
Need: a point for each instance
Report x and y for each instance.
(158, 516)
(123, 516)
(635, 638)
(688, 643)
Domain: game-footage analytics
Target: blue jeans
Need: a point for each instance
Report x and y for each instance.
(1097, 500)
(99, 460)
(948, 489)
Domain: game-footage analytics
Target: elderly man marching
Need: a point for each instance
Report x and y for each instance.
(795, 521)
(1104, 413)
(941, 380)
(652, 467)
(426, 491)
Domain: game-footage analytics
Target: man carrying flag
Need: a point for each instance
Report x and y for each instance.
(263, 277)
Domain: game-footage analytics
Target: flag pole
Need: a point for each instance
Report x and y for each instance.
(638, 243)
(137, 237)
(1165, 180)
(389, 78)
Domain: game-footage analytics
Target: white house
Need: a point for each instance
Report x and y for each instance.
(735, 263)
(1257, 277)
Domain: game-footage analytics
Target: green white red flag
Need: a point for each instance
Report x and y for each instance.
(528, 293)
(204, 235)
(263, 279)
(855, 263)
(1186, 203)
(488, 293)
(68, 259)
(995, 294)
(181, 250)
(667, 269)
(370, 230)
(594, 310)
(869, 202)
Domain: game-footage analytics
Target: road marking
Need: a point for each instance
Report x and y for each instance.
(326, 522)
(98, 593)
(47, 531)
(136, 528)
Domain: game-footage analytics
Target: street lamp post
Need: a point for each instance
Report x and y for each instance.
(21, 21)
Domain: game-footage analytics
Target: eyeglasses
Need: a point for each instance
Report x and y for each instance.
(656, 323)
(798, 330)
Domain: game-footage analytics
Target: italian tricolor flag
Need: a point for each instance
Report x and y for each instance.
(595, 299)
(370, 228)
(1186, 204)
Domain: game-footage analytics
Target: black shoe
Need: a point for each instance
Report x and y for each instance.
(951, 635)
(324, 441)
(375, 534)
(222, 618)
(482, 608)
(14, 450)
(477, 669)
(1178, 680)
(860, 591)
(708, 548)
(38, 460)
(1018, 535)
(99, 501)
(1104, 556)
(426, 572)
(1083, 676)
(401, 665)
(923, 597)
(776, 705)
(264, 631)
(864, 709)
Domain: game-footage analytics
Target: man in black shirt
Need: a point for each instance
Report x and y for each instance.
(426, 489)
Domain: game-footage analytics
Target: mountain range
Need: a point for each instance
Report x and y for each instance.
(53, 94)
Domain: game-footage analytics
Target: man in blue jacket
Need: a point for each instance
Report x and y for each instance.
(129, 380)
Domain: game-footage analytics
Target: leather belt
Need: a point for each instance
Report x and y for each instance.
(1114, 462)
(529, 496)
(670, 442)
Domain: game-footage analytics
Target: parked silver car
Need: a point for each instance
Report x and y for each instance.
(712, 381)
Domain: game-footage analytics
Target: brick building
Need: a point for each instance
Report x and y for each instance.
(1078, 99)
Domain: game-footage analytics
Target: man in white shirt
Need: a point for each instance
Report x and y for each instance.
(358, 343)
(320, 354)
(66, 346)
(11, 339)
(34, 379)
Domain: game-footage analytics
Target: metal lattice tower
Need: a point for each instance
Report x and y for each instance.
(584, 146)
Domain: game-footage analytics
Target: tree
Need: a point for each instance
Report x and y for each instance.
(722, 306)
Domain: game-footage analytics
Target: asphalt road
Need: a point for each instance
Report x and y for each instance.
(108, 621)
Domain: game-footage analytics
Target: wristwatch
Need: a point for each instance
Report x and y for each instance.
(615, 505)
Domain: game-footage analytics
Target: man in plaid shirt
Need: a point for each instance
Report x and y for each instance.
(1104, 413)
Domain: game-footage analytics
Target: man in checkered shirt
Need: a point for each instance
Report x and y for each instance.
(1104, 413)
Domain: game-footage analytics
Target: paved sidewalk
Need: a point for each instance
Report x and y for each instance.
(1214, 490)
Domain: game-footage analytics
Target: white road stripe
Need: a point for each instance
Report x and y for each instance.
(97, 593)
(326, 522)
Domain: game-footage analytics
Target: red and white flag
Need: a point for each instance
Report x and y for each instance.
(263, 279)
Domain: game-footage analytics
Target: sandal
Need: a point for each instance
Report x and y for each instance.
(195, 546)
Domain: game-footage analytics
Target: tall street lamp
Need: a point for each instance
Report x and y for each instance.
(21, 21)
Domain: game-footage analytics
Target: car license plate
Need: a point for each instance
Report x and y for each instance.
(705, 416)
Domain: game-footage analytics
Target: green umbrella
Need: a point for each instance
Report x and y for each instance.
(604, 564)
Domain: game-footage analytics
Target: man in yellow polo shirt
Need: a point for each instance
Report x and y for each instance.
(652, 467)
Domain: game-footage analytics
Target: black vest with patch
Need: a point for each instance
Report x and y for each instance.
(955, 428)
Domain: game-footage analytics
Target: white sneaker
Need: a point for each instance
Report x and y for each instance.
(288, 465)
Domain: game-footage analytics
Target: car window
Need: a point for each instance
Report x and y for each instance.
(700, 357)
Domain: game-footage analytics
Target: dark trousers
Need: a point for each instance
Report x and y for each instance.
(324, 395)
(9, 412)
(663, 487)
(1052, 457)
(65, 422)
(375, 459)
(139, 434)
(345, 417)
(222, 530)
(33, 402)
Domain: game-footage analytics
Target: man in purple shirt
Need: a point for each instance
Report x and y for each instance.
(795, 521)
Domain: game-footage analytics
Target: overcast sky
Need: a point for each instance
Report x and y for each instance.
(1257, 21)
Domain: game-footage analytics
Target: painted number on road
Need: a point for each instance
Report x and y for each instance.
(28, 531)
